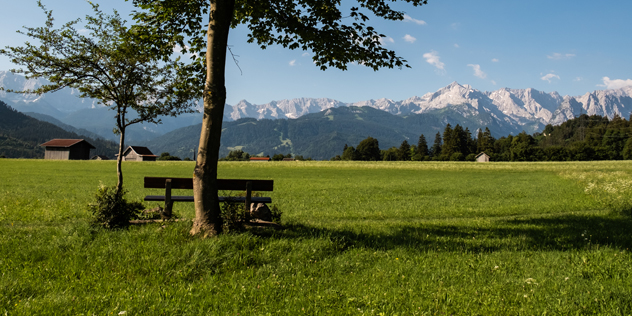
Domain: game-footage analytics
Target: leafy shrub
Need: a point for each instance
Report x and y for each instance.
(276, 214)
(233, 215)
(167, 156)
(110, 209)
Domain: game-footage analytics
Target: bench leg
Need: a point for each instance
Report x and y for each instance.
(248, 199)
(166, 213)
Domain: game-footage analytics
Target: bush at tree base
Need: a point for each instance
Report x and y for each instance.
(110, 209)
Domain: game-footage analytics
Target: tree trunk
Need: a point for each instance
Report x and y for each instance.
(119, 159)
(207, 212)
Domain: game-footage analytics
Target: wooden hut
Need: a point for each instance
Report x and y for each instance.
(67, 149)
(482, 157)
(259, 158)
(138, 153)
(99, 157)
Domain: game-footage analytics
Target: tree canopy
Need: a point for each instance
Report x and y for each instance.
(336, 36)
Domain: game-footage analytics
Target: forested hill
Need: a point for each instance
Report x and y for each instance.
(21, 135)
(322, 135)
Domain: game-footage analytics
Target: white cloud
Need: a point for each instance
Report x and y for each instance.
(548, 77)
(456, 45)
(408, 18)
(293, 62)
(558, 56)
(495, 60)
(493, 82)
(306, 54)
(455, 26)
(477, 71)
(578, 79)
(178, 49)
(409, 38)
(615, 83)
(386, 39)
(433, 59)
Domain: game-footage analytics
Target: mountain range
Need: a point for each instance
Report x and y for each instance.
(504, 111)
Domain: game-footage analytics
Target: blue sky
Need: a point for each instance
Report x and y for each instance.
(572, 47)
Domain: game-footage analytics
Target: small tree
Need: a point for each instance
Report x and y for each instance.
(369, 149)
(110, 64)
(422, 146)
(350, 153)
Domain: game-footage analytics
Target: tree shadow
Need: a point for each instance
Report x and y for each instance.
(545, 233)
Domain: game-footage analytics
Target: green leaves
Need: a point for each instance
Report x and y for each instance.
(335, 38)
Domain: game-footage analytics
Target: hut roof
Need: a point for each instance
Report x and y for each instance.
(65, 143)
(481, 154)
(139, 150)
(102, 157)
(260, 158)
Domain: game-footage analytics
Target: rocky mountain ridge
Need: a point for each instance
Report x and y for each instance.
(511, 109)
(524, 107)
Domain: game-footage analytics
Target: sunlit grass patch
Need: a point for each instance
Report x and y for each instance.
(359, 238)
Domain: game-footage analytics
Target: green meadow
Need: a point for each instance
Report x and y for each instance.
(359, 238)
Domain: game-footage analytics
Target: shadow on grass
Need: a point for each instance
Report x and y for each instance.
(549, 232)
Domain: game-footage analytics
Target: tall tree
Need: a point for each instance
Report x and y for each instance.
(479, 141)
(110, 64)
(422, 146)
(335, 38)
(403, 153)
(448, 147)
(435, 151)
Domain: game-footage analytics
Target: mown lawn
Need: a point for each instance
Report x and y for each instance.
(359, 238)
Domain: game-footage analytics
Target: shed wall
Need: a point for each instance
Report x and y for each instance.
(80, 151)
(57, 153)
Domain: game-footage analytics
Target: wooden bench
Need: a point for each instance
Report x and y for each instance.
(223, 184)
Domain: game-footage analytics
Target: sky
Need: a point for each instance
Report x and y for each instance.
(572, 47)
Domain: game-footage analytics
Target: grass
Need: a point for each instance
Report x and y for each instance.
(360, 238)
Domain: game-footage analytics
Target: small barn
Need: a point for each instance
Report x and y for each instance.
(67, 149)
(259, 158)
(482, 157)
(99, 157)
(138, 153)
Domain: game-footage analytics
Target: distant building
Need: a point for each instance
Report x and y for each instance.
(67, 149)
(482, 157)
(138, 153)
(259, 158)
(99, 157)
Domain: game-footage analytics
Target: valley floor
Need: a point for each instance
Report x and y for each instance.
(401, 238)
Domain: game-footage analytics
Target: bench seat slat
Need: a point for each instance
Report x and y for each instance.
(182, 198)
(223, 184)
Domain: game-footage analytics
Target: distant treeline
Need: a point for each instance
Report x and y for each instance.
(240, 155)
(583, 138)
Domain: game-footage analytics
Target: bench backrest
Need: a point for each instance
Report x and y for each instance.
(223, 184)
